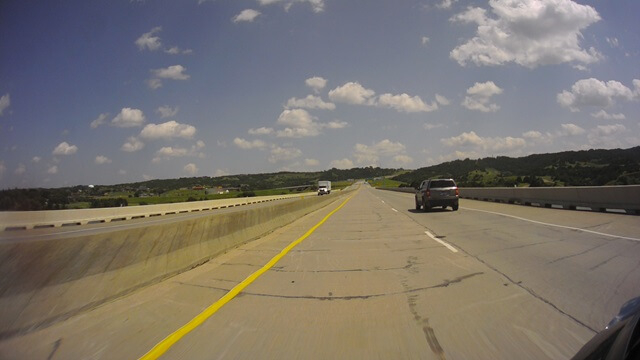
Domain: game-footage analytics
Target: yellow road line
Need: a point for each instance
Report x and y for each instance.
(173, 338)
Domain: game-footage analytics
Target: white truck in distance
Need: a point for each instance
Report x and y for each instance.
(324, 187)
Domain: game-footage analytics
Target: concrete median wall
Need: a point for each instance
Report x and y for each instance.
(25, 220)
(597, 198)
(45, 281)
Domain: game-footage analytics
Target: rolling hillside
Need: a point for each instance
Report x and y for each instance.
(568, 168)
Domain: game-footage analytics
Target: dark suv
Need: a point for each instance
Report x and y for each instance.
(437, 192)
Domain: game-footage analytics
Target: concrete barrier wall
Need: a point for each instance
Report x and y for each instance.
(597, 198)
(45, 281)
(11, 220)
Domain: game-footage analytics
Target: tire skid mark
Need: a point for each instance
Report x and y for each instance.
(407, 290)
(56, 345)
(576, 254)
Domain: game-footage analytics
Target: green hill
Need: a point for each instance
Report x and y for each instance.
(568, 168)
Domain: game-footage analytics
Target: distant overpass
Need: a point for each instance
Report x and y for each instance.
(376, 279)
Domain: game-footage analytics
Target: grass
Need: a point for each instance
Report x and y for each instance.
(385, 183)
(79, 205)
(339, 185)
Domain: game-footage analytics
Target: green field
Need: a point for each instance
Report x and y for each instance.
(384, 183)
(175, 196)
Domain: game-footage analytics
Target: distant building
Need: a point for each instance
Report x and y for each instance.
(218, 190)
(198, 187)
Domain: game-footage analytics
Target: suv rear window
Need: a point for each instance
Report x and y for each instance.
(442, 184)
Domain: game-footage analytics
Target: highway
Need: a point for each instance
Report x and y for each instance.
(379, 280)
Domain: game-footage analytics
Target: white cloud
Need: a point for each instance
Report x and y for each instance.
(3, 169)
(527, 32)
(221, 172)
(122, 172)
(442, 100)
(532, 134)
(132, 144)
(283, 154)
(609, 129)
(154, 84)
(352, 93)
(310, 102)
(571, 130)
(430, 126)
(65, 149)
(174, 50)
(101, 119)
(21, 169)
(245, 144)
(102, 160)
(403, 160)
(317, 83)
(5, 102)
(356, 94)
(613, 42)
(596, 93)
(445, 4)
(36, 159)
(566, 130)
(128, 117)
(247, 15)
(261, 131)
(191, 169)
(342, 164)
(149, 41)
(405, 103)
(606, 116)
(173, 72)
(369, 155)
(316, 5)
(169, 151)
(311, 162)
(471, 139)
(168, 130)
(299, 123)
(534, 137)
(608, 136)
(424, 40)
(52, 169)
(336, 124)
(479, 95)
(166, 111)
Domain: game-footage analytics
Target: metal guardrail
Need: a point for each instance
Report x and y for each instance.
(596, 198)
(26, 220)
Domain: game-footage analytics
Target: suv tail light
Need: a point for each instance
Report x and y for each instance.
(457, 192)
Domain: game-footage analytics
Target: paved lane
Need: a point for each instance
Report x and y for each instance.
(370, 283)
(586, 264)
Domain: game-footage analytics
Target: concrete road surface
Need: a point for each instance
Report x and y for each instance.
(380, 280)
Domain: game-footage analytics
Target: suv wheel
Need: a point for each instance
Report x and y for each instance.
(455, 207)
(425, 205)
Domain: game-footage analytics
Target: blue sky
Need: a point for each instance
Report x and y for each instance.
(96, 92)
